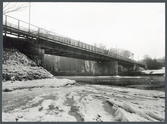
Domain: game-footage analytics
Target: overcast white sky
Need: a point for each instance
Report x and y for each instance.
(138, 27)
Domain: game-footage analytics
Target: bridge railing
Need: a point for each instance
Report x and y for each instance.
(21, 26)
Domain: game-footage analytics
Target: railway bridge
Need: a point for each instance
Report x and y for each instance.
(36, 41)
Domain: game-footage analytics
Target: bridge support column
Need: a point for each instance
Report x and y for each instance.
(37, 55)
(137, 68)
(34, 52)
(145, 67)
(134, 67)
(105, 68)
(115, 67)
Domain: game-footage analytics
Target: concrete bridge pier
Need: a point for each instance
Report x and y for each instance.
(37, 55)
(115, 64)
(134, 67)
(112, 67)
(105, 68)
(34, 52)
(29, 48)
(137, 68)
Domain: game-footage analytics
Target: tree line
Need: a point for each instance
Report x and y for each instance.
(118, 51)
(150, 63)
(153, 63)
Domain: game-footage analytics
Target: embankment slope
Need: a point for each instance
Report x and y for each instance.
(17, 66)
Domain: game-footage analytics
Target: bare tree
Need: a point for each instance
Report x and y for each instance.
(153, 63)
(14, 6)
(122, 52)
(101, 46)
(126, 53)
(113, 50)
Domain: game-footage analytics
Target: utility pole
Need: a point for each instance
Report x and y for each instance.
(29, 14)
(116, 52)
(132, 56)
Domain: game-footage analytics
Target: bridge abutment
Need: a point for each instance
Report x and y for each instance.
(35, 52)
(37, 55)
(31, 49)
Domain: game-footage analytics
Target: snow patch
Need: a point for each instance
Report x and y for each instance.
(125, 111)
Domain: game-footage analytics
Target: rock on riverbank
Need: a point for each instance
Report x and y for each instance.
(17, 66)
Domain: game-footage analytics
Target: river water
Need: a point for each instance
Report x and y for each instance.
(139, 82)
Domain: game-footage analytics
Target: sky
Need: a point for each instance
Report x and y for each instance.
(137, 27)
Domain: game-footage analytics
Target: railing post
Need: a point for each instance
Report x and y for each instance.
(29, 30)
(5, 27)
(5, 24)
(18, 28)
(38, 32)
(47, 35)
(29, 27)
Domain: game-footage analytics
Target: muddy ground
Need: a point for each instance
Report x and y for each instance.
(65, 100)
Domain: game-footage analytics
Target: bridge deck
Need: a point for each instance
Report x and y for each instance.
(71, 47)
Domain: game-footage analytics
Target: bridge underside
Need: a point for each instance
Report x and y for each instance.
(64, 50)
(67, 51)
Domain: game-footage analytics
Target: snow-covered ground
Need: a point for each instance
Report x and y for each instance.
(64, 100)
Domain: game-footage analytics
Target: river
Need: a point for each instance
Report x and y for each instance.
(140, 82)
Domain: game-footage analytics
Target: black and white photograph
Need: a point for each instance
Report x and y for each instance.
(83, 62)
